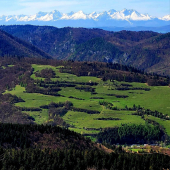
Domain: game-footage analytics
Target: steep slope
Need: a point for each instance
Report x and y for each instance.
(42, 136)
(152, 54)
(11, 46)
(96, 49)
(61, 43)
(56, 42)
(144, 49)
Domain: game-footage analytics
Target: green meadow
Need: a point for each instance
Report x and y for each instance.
(155, 99)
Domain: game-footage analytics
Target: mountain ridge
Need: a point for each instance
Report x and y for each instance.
(144, 50)
(13, 46)
(125, 17)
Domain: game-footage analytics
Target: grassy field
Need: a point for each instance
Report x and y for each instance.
(84, 122)
(155, 99)
(137, 150)
(164, 123)
(63, 76)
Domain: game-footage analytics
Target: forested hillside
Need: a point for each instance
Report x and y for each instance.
(144, 49)
(11, 46)
(21, 148)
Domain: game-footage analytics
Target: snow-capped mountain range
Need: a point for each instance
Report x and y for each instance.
(110, 18)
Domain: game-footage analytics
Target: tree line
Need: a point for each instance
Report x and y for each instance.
(130, 134)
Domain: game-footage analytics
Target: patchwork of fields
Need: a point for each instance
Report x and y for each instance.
(122, 97)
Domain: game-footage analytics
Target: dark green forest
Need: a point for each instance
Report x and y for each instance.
(131, 134)
(22, 147)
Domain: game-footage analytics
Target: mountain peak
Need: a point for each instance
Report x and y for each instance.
(80, 12)
(165, 18)
(79, 15)
(128, 11)
(95, 19)
(112, 11)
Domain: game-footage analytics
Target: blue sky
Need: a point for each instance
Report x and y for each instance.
(156, 8)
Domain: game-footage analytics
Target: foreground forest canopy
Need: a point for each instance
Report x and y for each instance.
(29, 147)
(144, 50)
(107, 103)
